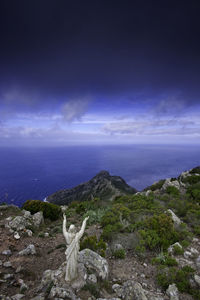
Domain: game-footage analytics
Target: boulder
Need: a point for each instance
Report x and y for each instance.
(38, 219)
(19, 223)
(62, 292)
(94, 262)
(172, 292)
(175, 219)
(57, 277)
(130, 290)
(27, 214)
(30, 250)
(173, 183)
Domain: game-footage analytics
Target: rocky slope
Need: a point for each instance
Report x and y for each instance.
(103, 186)
(144, 246)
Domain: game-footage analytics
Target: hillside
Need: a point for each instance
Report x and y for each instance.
(103, 186)
(143, 246)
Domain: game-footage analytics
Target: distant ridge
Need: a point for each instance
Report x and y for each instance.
(103, 186)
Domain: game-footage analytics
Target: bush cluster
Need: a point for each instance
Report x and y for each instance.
(164, 259)
(50, 211)
(158, 233)
(181, 277)
(92, 243)
(119, 253)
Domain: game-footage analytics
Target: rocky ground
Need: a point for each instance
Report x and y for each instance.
(21, 272)
(32, 249)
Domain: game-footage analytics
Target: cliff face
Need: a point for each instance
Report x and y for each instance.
(103, 185)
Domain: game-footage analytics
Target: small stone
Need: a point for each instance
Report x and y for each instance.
(16, 235)
(23, 287)
(194, 251)
(187, 254)
(8, 276)
(7, 264)
(29, 232)
(144, 284)
(30, 250)
(1, 263)
(7, 252)
(117, 247)
(142, 275)
(195, 240)
(18, 270)
(17, 297)
(145, 265)
(46, 234)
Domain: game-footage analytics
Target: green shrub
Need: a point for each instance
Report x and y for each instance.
(177, 250)
(178, 276)
(50, 211)
(110, 230)
(195, 170)
(93, 289)
(197, 230)
(194, 193)
(156, 186)
(92, 243)
(172, 190)
(95, 216)
(41, 234)
(84, 206)
(164, 259)
(119, 253)
(185, 243)
(191, 179)
(158, 232)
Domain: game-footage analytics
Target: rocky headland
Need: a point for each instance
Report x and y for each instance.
(138, 245)
(103, 186)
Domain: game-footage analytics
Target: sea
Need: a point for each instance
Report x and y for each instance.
(35, 173)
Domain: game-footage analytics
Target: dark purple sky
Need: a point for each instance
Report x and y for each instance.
(75, 72)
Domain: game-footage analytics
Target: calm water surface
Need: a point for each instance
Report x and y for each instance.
(27, 173)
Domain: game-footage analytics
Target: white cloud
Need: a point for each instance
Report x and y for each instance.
(75, 109)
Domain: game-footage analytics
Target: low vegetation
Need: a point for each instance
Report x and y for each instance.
(50, 211)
